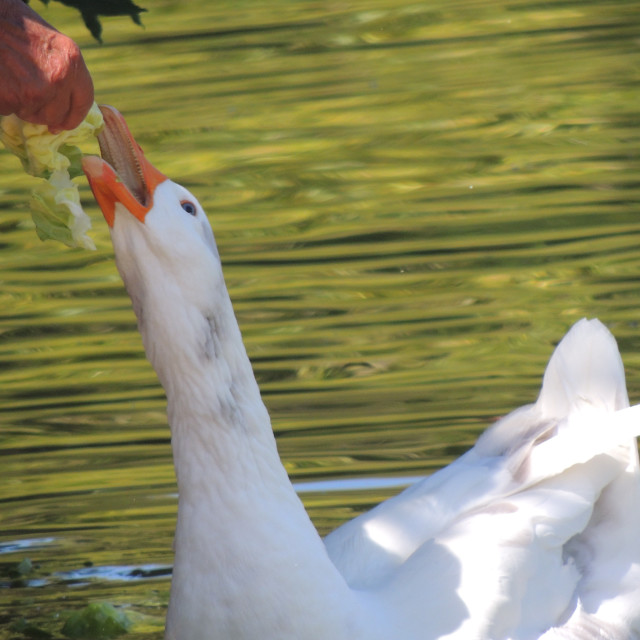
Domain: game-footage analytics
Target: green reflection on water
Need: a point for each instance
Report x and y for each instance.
(413, 203)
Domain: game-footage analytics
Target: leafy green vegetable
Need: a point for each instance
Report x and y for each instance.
(55, 205)
(97, 621)
(57, 212)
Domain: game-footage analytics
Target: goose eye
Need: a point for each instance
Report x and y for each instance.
(189, 207)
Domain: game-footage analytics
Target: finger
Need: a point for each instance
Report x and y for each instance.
(56, 112)
(37, 95)
(81, 94)
(50, 109)
(80, 103)
(32, 101)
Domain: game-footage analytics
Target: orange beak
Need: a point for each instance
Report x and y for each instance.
(123, 174)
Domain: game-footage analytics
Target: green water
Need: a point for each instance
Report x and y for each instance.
(413, 203)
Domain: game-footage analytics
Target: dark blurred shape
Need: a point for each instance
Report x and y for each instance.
(91, 10)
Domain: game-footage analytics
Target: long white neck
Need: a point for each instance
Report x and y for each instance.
(248, 561)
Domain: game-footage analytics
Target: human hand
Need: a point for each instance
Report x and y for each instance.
(44, 78)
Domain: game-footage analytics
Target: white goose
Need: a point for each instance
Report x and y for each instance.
(532, 534)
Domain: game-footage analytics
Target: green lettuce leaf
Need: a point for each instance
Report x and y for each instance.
(58, 214)
(55, 157)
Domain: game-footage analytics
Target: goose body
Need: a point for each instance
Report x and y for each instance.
(534, 534)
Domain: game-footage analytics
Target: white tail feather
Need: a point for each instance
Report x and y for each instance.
(585, 367)
(584, 386)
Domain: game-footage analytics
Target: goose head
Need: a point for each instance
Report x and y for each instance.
(164, 247)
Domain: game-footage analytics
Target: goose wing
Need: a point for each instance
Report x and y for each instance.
(532, 529)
